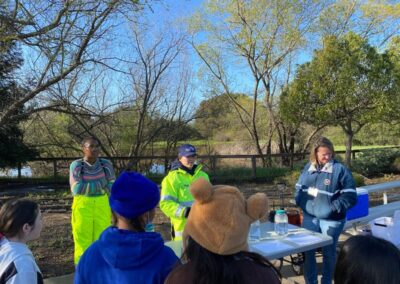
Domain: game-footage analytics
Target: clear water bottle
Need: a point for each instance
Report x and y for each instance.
(254, 232)
(281, 222)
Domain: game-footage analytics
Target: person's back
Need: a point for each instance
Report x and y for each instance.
(215, 239)
(240, 268)
(367, 260)
(128, 252)
(122, 256)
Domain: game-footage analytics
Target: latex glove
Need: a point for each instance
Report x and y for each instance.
(313, 191)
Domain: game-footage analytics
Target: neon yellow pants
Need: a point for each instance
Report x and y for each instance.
(90, 216)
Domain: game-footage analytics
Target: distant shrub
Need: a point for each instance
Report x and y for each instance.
(292, 177)
(269, 174)
(359, 179)
(396, 164)
(375, 162)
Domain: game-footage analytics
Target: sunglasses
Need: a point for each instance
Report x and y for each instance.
(92, 146)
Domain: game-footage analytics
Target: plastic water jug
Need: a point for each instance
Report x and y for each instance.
(281, 222)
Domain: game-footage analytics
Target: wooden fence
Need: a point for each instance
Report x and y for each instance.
(210, 160)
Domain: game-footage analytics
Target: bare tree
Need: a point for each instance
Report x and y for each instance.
(150, 80)
(258, 36)
(60, 37)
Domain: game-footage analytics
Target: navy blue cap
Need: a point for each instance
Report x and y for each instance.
(186, 150)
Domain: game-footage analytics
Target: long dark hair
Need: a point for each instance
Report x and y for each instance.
(137, 224)
(367, 260)
(214, 268)
(15, 213)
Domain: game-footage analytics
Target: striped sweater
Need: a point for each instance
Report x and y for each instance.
(91, 180)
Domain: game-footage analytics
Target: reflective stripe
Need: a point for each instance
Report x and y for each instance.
(346, 190)
(330, 193)
(319, 192)
(325, 192)
(179, 211)
(178, 234)
(186, 203)
(349, 190)
(169, 197)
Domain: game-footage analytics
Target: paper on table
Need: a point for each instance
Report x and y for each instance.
(302, 239)
(271, 246)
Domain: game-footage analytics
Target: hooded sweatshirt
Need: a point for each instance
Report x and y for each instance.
(17, 264)
(122, 256)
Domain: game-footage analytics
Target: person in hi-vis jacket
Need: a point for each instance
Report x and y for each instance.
(91, 179)
(176, 199)
(324, 191)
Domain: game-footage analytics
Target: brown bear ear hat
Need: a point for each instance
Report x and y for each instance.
(220, 217)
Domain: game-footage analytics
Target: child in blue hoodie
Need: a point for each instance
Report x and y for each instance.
(126, 252)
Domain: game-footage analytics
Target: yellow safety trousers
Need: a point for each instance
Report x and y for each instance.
(90, 216)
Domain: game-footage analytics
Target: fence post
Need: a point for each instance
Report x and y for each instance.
(254, 167)
(19, 170)
(55, 168)
(213, 161)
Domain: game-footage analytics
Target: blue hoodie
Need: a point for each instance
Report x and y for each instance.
(336, 191)
(121, 256)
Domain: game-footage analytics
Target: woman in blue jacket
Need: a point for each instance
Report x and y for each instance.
(324, 191)
(128, 252)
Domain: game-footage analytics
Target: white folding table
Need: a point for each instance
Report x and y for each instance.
(272, 246)
(297, 240)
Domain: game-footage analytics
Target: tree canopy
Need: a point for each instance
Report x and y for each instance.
(347, 83)
(12, 148)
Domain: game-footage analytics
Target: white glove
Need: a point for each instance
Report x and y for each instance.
(313, 191)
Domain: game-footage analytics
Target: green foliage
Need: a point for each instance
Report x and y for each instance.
(347, 83)
(292, 177)
(50, 133)
(217, 118)
(375, 162)
(12, 148)
(358, 179)
(396, 164)
(245, 174)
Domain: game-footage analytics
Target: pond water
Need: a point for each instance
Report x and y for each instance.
(25, 172)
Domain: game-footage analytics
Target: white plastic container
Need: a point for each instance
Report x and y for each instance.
(387, 228)
(281, 222)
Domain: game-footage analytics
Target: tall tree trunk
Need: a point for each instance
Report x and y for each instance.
(347, 128)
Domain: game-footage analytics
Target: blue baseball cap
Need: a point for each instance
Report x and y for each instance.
(186, 150)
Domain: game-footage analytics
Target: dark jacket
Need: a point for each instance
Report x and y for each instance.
(251, 271)
(121, 256)
(336, 191)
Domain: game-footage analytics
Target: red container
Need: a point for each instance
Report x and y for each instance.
(294, 217)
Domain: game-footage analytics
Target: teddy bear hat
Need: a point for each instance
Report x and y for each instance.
(220, 217)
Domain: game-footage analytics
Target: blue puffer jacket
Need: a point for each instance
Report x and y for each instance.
(336, 191)
(121, 256)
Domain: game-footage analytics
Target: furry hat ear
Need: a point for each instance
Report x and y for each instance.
(257, 206)
(201, 190)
